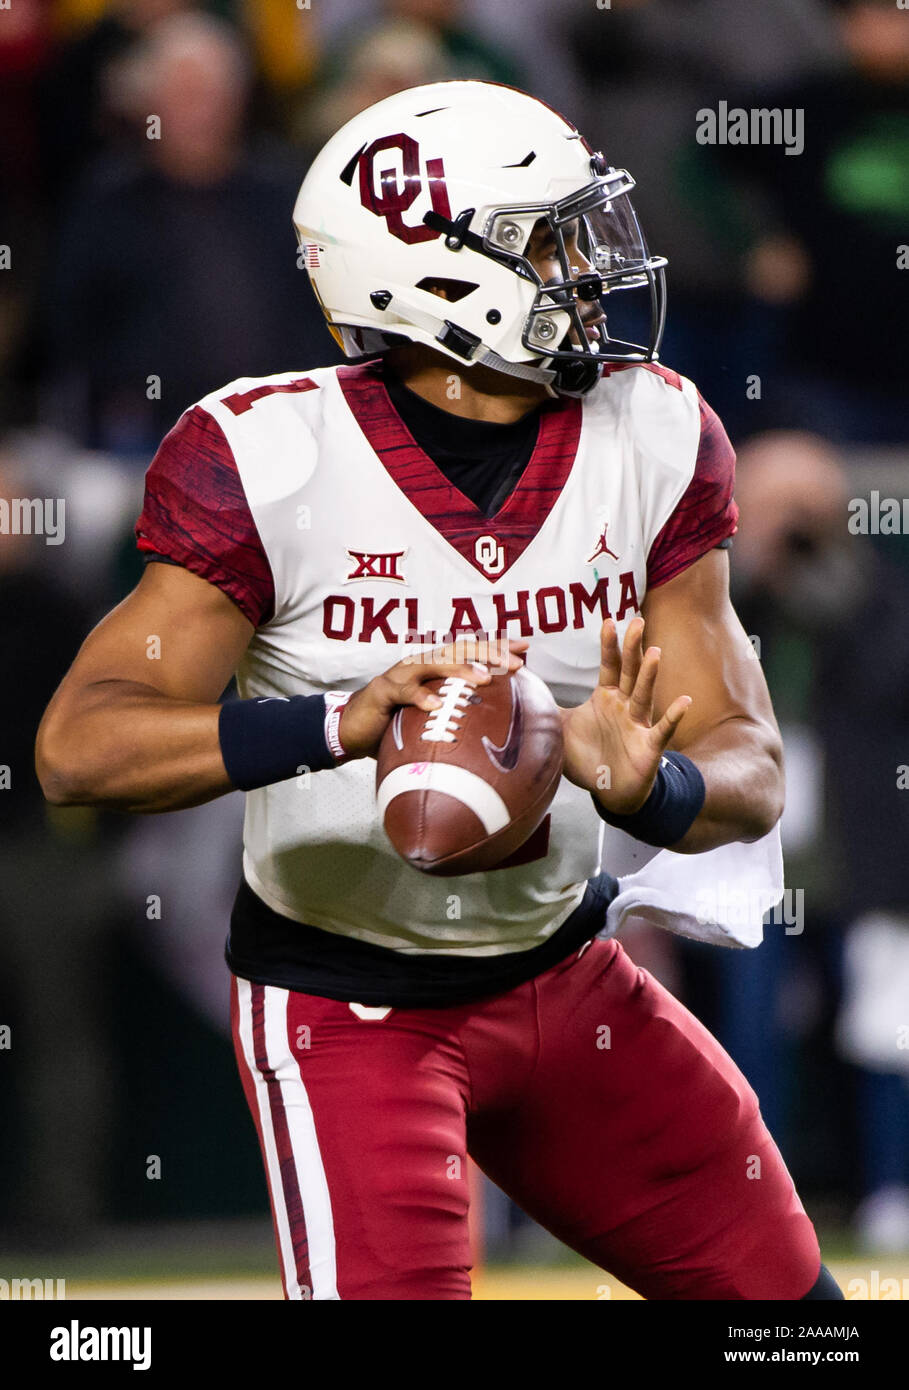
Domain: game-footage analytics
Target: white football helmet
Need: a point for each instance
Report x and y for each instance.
(440, 187)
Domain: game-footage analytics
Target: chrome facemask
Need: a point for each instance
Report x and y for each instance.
(601, 250)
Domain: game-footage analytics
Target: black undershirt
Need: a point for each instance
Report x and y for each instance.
(481, 459)
(270, 949)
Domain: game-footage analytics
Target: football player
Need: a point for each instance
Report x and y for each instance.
(504, 474)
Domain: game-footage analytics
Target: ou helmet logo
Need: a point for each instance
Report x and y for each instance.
(490, 554)
(397, 191)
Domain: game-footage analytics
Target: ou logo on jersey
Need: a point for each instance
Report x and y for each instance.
(489, 554)
(399, 187)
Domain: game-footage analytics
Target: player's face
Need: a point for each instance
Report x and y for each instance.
(543, 254)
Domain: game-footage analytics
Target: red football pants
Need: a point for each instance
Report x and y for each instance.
(589, 1095)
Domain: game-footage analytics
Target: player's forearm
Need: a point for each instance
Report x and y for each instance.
(127, 747)
(741, 761)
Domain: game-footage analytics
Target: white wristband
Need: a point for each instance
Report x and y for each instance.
(335, 700)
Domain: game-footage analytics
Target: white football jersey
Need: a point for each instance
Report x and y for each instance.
(304, 497)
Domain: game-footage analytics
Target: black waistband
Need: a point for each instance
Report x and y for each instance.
(270, 949)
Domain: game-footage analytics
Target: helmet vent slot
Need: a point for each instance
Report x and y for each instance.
(347, 172)
(452, 290)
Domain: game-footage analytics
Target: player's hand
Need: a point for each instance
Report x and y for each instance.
(612, 746)
(366, 715)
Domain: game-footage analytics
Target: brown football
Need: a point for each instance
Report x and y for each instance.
(461, 789)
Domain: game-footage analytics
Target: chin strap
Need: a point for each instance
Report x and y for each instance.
(524, 371)
(573, 378)
(467, 346)
(560, 378)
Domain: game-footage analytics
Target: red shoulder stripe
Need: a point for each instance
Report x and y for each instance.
(706, 513)
(196, 513)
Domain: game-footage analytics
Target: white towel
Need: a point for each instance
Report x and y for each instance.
(720, 896)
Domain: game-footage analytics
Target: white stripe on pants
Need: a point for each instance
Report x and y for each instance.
(289, 1093)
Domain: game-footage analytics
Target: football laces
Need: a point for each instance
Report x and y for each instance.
(442, 724)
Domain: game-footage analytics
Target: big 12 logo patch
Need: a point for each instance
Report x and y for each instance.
(398, 188)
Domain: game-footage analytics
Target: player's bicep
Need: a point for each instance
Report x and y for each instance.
(175, 632)
(706, 652)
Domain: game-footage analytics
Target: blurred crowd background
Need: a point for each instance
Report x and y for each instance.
(138, 273)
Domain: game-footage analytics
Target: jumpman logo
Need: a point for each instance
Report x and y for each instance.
(602, 547)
